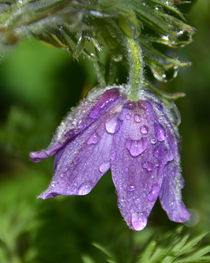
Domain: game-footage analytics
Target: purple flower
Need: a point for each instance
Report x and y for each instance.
(137, 140)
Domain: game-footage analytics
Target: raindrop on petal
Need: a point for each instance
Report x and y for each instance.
(136, 147)
(104, 167)
(153, 141)
(138, 220)
(84, 189)
(160, 152)
(62, 175)
(53, 183)
(128, 116)
(144, 129)
(148, 166)
(153, 194)
(160, 132)
(94, 138)
(131, 188)
(137, 118)
(112, 126)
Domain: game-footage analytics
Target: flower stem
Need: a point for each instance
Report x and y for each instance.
(136, 76)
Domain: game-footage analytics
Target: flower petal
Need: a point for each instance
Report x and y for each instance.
(136, 172)
(81, 163)
(77, 121)
(170, 194)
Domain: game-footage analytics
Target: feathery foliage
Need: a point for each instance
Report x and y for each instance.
(95, 27)
(172, 247)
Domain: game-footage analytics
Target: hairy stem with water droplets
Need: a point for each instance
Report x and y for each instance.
(136, 74)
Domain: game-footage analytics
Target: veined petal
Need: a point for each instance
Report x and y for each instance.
(81, 163)
(78, 120)
(136, 172)
(170, 194)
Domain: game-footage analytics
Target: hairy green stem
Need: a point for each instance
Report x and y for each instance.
(136, 74)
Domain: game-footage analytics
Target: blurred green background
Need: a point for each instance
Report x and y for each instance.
(38, 85)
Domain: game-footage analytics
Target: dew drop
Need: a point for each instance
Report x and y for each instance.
(153, 141)
(160, 132)
(172, 203)
(97, 13)
(138, 220)
(137, 118)
(104, 167)
(53, 183)
(62, 175)
(131, 188)
(144, 129)
(130, 105)
(160, 152)
(153, 194)
(136, 147)
(184, 37)
(112, 126)
(84, 189)
(148, 166)
(128, 116)
(94, 138)
(118, 58)
(164, 74)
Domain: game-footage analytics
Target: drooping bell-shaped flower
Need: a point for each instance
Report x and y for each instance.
(137, 140)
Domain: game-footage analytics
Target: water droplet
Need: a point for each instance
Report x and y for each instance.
(137, 118)
(131, 188)
(160, 152)
(164, 74)
(184, 37)
(144, 129)
(98, 13)
(130, 105)
(153, 141)
(172, 203)
(160, 132)
(128, 116)
(136, 147)
(53, 183)
(117, 58)
(138, 220)
(62, 175)
(104, 167)
(94, 138)
(84, 189)
(148, 166)
(112, 126)
(178, 38)
(153, 194)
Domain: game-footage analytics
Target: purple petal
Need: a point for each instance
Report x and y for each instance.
(170, 194)
(79, 120)
(82, 162)
(43, 154)
(136, 172)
